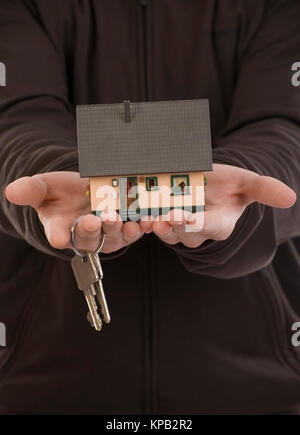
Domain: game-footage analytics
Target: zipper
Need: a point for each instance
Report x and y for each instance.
(149, 407)
(149, 303)
(144, 6)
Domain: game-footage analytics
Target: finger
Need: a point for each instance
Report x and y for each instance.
(195, 242)
(112, 224)
(30, 191)
(88, 233)
(197, 225)
(131, 232)
(269, 191)
(57, 230)
(146, 224)
(179, 219)
(165, 232)
(63, 182)
(217, 225)
(189, 229)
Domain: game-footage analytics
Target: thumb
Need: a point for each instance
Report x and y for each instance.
(271, 192)
(27, 191)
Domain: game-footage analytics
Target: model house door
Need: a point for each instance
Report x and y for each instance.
(128, 195)
(131, 191)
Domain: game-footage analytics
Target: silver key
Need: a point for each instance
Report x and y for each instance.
(88, 274)
(100, 290)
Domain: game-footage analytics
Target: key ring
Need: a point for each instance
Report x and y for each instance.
(77, 252)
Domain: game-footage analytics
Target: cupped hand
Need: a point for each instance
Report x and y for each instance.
(59, 198)
(229, 191)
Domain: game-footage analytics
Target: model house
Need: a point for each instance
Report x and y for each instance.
(145, 158)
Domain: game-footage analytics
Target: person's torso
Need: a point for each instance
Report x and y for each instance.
(178, 342)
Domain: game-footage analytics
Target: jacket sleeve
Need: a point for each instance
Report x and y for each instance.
(37, 121)
(262, 135)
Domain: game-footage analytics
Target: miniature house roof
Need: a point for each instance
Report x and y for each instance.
(144, 138)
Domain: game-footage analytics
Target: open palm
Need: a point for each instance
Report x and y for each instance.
(229, 191)
(59, 198)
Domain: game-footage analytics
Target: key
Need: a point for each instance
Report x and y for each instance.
(93, 316)
(88, 273)
(86, 276)
(100, 290)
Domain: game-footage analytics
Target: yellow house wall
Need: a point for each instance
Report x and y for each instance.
(101, 192)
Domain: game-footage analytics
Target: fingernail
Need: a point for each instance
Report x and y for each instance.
(190, 218)
(103, 216)
(112, 215)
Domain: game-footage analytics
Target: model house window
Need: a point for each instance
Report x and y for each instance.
(180, 184)
(151, 183)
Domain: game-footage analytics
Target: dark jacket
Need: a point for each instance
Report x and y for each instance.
(204, 330)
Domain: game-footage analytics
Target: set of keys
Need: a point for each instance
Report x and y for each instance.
(88, 273)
